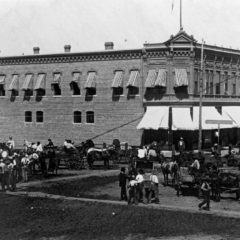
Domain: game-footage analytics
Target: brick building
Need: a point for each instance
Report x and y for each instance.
(104, 95)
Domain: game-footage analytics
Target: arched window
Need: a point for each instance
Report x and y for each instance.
(77, 117)
(90, 117)
(28, 116)
(39, 116)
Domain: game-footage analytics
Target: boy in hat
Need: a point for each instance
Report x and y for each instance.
(122, 183)
(205, 187)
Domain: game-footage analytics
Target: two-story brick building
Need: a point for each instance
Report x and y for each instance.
(109, 94)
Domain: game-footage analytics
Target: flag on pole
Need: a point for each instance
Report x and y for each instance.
(172, 4)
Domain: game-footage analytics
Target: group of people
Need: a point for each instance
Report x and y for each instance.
(16, 165)
(140, 188)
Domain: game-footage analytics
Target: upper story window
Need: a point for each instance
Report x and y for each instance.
(75, 83)
(28, 85)
(39, 116)
(196, 82)
(90, 84)
(77, 117)
(40, 84)
(133, 83)
(2, 85)
(234, 81)
(217, 84)
(90, 117)
(28, 116)
(56, 84)
(14, 85)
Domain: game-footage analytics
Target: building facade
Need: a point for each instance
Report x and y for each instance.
(104, 95)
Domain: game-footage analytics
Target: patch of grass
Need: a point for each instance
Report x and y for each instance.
(35, 218)
(76, 188)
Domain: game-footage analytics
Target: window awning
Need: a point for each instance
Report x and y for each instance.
(133, 79)
(151, 78)
(27, 82)
(209, 113)
(14, 83)
(118, 80)
(2, 79)
(181, 119)
(155, 117)
(40, 84)
(233, 112)
(91, 80)
(57, 77)
(76, 77)
(161, 80)
(181, 78)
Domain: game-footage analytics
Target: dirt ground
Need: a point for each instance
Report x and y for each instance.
(41, 219)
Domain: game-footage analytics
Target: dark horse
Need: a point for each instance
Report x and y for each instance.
(98, 154)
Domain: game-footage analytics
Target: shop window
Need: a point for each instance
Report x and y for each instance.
(90, 117)
(39, 116)
(28, 116)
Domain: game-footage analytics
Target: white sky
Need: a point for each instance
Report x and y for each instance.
(87, 24)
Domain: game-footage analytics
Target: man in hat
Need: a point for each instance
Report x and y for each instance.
(205, 187)
(181, 145)
(122, 183)
(3, 176)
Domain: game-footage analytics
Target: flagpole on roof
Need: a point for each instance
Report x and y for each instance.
(181, 27)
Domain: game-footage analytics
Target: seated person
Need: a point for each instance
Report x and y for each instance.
(68, 145)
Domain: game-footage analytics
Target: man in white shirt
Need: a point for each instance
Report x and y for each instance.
(140, 179)
(39, 148)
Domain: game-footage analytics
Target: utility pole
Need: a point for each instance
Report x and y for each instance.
(200, 102)
(181, 27)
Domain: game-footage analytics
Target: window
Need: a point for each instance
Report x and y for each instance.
(75, 83)
(28, 85)
(56, 88)
(91, 91)
(133, 90)
(2, 85)
(77, 117)
(40, 85)
(234, 80)
(207, 85)
(39, 116)
(118, 91)
(225, 76)
(217, 86)
(90, 117)
(211, 82)
(196, 77)
(28, 116)
(14, 85)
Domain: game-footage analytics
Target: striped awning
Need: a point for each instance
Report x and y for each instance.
(151, 78)
(118, 80)
(40, 84)
(27, 82)
(2, 79)
(161, 80)
(133, 79)
(14, 83)
(57, 77)
(91, 80)
(181, 78)
(76, 77)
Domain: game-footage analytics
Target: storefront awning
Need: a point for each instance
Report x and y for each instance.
(209, 113)
(233, 112)
(181, 78)
(57, 78)
(151, 78)
(14, 83)
(181, 119)
(155, 117)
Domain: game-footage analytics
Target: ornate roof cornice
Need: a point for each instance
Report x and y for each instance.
(72, 57)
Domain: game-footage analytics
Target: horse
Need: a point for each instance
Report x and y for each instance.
(49, 160)
(171, 168)
(98, 154)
